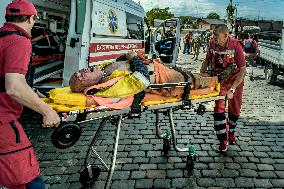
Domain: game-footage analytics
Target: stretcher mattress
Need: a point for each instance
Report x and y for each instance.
(63, 100)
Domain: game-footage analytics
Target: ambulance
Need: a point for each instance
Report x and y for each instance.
(73, 34)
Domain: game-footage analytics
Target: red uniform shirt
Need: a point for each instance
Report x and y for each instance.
(15, 53)
(221, 57)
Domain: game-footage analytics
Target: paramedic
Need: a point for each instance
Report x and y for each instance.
(222, 52)
(18, 163)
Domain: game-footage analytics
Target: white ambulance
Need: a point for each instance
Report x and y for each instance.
(74, 34)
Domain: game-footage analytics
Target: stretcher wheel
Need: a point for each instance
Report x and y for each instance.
(190, 164)
(85, 178)
(66, 135)
(166, 146)
(201, 109)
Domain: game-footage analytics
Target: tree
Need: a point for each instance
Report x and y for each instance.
(186, 21)
(161, 14)
(213, 15)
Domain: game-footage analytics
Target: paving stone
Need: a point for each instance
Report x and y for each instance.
(136, 154)
(267, 160)
(225, 182)
(211, 173)
(144, 183)
(206, 159)
(218, 166)
(248, 173)
(267, 174)
(240, 160)
(138, 174)
(130, 167)
(261, 154)
(119, 184)
(148, 166)
(141, 160)
(262, 183)
(280, 174)
(265, 167)
(183, 182)
(155, 174)
(244, 182)
(253, 160)
(60, 186)
(76, 185)
(166, 166)
(278, 183)
(121, 175)
(206, 182)
(162, 183)
(279, 167)
(57, 179)
(233, 165)
(229, 173)
(279, 155)
(177, 173)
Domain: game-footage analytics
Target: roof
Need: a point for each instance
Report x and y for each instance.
(213, 21)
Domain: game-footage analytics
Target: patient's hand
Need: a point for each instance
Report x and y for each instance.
(131, 54)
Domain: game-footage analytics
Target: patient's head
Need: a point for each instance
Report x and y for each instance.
(85, 78)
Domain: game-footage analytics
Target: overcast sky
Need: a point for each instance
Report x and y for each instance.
(266, 9)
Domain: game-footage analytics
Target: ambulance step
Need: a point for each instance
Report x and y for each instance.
(46, 71)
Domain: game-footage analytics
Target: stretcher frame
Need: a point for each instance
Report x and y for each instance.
(117, 116)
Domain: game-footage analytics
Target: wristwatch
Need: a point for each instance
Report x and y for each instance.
(232, 90)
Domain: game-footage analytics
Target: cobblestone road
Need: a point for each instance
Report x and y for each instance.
(257, 161)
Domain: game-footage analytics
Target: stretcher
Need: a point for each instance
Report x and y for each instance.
(68, 133)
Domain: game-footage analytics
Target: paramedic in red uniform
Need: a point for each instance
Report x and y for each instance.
(223, 51)
(19, 168)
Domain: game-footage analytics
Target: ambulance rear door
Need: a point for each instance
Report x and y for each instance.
(117, 27)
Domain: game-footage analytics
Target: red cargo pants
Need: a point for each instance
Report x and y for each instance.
(18, 163)
(234, 109)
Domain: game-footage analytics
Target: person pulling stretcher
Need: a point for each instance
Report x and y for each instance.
(225, 52)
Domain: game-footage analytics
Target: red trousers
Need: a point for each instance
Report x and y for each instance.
(234, 104)
(234, 109)
(18, 162)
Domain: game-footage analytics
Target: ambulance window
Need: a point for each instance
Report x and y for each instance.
(80, 15)
(135, 27)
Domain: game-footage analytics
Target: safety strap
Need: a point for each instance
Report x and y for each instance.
(186, 89)
(2, 79)
(2, 85)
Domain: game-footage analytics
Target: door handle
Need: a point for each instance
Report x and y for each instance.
(73, 42)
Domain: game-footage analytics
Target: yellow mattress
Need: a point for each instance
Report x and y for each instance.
(63, 100)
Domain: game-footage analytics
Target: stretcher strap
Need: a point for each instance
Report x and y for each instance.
(186, 89)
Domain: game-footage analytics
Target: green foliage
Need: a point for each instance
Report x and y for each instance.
(213, 15)
(160, 14)
(186, 21)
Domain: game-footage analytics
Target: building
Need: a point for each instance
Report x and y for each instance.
(209, 24)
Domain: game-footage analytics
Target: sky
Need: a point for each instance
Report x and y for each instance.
(254, 9)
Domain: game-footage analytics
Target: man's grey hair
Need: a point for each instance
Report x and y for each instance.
(221, 28)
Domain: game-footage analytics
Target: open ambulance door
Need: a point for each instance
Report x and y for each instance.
(78, 39)
(165, 41)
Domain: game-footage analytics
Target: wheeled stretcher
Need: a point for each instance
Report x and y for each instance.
(68, 133)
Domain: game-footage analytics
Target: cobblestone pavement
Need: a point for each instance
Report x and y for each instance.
(257, 161)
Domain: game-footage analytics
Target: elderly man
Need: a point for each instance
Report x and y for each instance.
(223, 52)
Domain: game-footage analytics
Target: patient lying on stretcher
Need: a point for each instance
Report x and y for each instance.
(123, 83)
